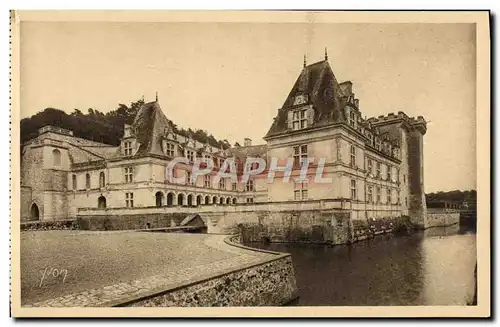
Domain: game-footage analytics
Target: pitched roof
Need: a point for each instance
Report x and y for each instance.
(243, 152)
(328, 98)
(149, 127)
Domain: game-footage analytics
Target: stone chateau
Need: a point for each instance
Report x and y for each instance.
(375, 164)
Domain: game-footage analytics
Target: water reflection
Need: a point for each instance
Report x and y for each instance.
(434, 267)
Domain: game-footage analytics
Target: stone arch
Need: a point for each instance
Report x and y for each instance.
(190, 199)
(199, 200)
(170, 199)
(228, 200)
(214, 200)
(221, 200)
(180, 199)
(56, 157)
(235, 201)
(207, 200)
(101, 202)
(34, 212)
(159, 199)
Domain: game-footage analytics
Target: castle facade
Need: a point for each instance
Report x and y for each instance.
(373, 166)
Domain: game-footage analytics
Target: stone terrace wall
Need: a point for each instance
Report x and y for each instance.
(268, 284)
(442, 217)
(312, 226)
(136, 221)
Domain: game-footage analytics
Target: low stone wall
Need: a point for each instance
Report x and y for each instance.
(442, 218)
(127, 222)
(310, 226)
(50, 225)
(268, 284)
(320, 227)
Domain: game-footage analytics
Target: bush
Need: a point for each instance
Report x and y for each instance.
(403, 225)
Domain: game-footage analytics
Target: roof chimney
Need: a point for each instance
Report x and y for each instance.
(248, 142)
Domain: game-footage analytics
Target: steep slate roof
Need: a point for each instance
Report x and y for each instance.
(149, 127)
(102, 151)
(243, 152)
(325, 94)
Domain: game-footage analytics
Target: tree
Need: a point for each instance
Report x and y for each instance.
(97, 126)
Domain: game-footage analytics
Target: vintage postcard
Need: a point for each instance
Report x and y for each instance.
(250, 164)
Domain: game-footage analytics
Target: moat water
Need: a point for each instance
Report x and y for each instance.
(433, 267)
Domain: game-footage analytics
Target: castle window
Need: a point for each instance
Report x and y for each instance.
(207, 181)
(389, 173)
(389, 196)
(352, 119)
(249, 200)
(353, 156)
(222, 184)
(102, 179)
(378, 194)
(170, 150)
(353, 189)
(129, 200)
(87, 181)
(56, 157)
(399, 197)
(299, 120)
(190, 155)
(128, 148)
(370, 194)
(301, 192)
(299, 152)
(75, 185)
(188, 178)
(406, 201)
(233, 186)
(129, 174)
(249, 185)
(378, 169)
(370, 166)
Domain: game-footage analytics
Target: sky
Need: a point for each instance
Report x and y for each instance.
(231, 78)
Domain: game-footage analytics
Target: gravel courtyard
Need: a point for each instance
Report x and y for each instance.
(57, 263)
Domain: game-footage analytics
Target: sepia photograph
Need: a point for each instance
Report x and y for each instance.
(173, 164)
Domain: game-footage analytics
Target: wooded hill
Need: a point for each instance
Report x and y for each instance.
(455, 196)
(102, 127)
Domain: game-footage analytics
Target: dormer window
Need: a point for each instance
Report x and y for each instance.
(170, 149)
(127, 145)
(299, 120)
(352, 119)
(190, 155)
